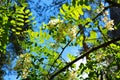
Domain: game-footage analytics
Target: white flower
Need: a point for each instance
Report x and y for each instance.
(55, 21)
(102, 5)
(111, 22)
(109, 25)
(105, 19)
(101, 8)
(98, 10)
(73, 31)
(106, 12)
(24, 73)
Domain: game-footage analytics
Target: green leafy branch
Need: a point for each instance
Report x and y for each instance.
(77, 35)
(85, 54)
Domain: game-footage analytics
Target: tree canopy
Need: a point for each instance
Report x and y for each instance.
(87, 24)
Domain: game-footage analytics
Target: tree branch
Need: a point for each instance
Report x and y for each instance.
(76, 36)
(82, 56)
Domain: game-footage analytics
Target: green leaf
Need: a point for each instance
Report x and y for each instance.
(87, 7)
(26, 16)
(45, 72)
(19, 16)
(93, 34)
(30, 14)
(88, 20)
(18, 33)
(20, 24)
(79, 40)
(19, 28)
(25, 4)
(71, 57)
(80, 10)
(76, 15)
(27, 11)
(65, 7)
(13, 30)
(62, 11)
(19, 19)
(27, 21)
(118, 56)
(12, 22)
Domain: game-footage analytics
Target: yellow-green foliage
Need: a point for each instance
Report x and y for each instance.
(15, 20)
(20, 19)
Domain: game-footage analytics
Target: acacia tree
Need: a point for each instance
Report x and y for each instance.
(73, 28)
(78, 24)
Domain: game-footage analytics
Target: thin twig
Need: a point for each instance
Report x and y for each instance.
(60, 54)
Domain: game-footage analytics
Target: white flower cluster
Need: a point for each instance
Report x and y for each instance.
(24, 63)
(62, 29)
(105, 19)
(105, 13)
(72, 32)
(55, 21)
(109, 25)
(25, 73)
